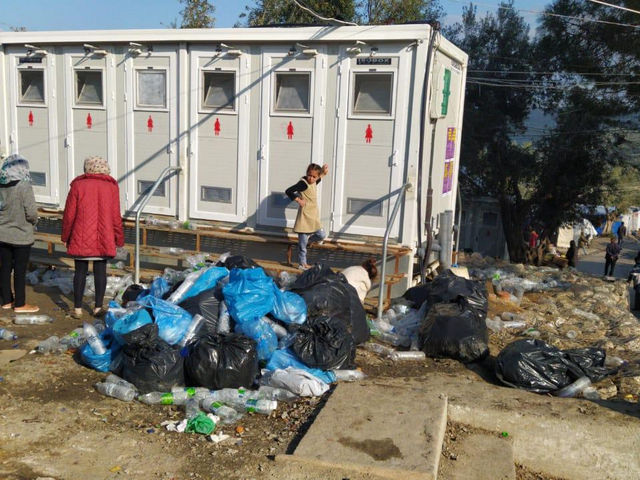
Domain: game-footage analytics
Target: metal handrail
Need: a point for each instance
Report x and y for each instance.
(385, 245)
(144, 202)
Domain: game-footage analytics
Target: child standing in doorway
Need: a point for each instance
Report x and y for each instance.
(308, 225)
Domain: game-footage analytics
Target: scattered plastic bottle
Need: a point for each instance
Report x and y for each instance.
(173, 224)
(159, 398)
(32, 319)
(533, 333)
(116, 391)
(401, 309)
(393, 339)
(235, 396)
(279, 394)
(78, 332)
(193, 392)
(383, 326)
(192, 329)
(613, 362)
(172, 250)
(514, 324)
(497, 286)
(8, 335)
(495, 324)
(571, 334)
(227, 414)
(192, 408)
(119, 265)
(511, 317)
(349, 375)
(286, 279)
(91, 334)
(379, 349)
(177, 296)
(116, 380)
(574, 389)
(408, 356)
(224, 319)
(265, 407)
(279, 330)
(51, 345)
(415, 343)
(590, 393)
(586, 315)
(390, 315)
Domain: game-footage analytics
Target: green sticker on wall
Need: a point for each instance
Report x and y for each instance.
(446, 92)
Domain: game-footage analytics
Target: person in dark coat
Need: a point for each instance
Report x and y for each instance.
(611, 257)
(572, 254)
(622, 232)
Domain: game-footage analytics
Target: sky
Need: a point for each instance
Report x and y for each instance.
(46, 15)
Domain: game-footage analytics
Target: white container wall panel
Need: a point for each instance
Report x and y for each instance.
(292, 128)
(220, 111)
(152, 128)
(33, 131)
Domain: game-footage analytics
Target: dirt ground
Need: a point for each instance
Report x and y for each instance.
(55, 425)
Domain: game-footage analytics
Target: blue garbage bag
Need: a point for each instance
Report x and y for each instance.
(159, 287)
(286, 358)
(206, 281)
(101, 362)
(249, 294)
(172, 320)
(129, 323)
(262, 333)
(288, 307)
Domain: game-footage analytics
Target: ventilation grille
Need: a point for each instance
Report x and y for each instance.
(39, 179)
(215, 194)
(280, 200)
(144, 187)
(364, 206)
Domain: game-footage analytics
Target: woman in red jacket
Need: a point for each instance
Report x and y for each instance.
(92, 228)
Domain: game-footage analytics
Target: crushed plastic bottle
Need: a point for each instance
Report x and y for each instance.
(7, 335)
(514, 325)
(408, 356)
(390, 315)
(383, 326)
(116, 391)
(533, 333)
(236, 397)
(159, 398)
(171, 250)
(115, 379)
(192, 408)
(574, 389)
(91, 334)
(223, 258)
(196, 322)
(227, 414)
(279, 330)
(262, 406)
(613, 362)
(32, 319)
(121, 253)
(224, 318)
(495, 325)
(193, 392)
(586, 315)
(349, 375)
(590, 393)
(286, 279)
(119, 264)
(401, 309)
(511, 317)
(279, 394)
(415, 343)
(379, 349)
(51, 345)
(393, 339)
(177, 296)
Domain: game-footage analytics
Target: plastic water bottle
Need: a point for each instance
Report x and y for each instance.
(224, 319)
(159, 398)
(349, 375)
(383, 327)
(193, 392)
(192, 329)
(265, 407)
(379, 349)
(415, 343)
(32, 319)
(401, 309)
(586, 315)
(192, 408)
(177, 296)
(390, 315)
(235, 396)
(279, 394)
(574, 389)
(116, 391)
(69, 337)
(393, 339)
(279, 330)
(172, 250)
(227, 414)
(116, 380)
(590, 393)
(494, 325)
(509, 317)
(514, 324)
(613, 362)
(51, 345)
(8, 335)
(96, 344)
(408, 356)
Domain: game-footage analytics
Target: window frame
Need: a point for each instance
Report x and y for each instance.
(202, 108)
(274, 97)
(149, 108)
(352, 114)
(20, 102)
(89, 106)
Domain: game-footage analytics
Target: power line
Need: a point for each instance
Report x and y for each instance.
(324, 19)
(615, 6)
(541, 87)
(536, 82)
(513, 72)
(549, 14)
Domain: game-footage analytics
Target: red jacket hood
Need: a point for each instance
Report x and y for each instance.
(95, 176)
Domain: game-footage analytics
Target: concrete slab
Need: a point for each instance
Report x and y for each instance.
(375, 431)
(484, 457)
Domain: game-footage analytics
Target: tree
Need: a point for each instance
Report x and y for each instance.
(276, 12)
(195, 14)
(385, 12)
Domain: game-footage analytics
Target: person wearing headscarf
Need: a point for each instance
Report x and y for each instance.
(18, 216)
(92, 228)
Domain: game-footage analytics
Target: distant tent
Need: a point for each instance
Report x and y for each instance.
(572, 232)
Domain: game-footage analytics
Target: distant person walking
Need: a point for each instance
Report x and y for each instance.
(92, 228)
(611, 257)
(583, 241)
(622, 232)
(18, 216)
(572, 254)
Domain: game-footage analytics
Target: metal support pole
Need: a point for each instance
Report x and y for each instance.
(143, 204)
(459, 223)
(385, 245)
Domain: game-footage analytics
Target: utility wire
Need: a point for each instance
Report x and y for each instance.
(549, 14)
(325, 19)
(513, 72)
(615, 6)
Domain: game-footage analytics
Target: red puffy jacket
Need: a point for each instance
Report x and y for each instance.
(92, 225)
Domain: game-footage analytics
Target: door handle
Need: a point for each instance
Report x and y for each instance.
(393, 161)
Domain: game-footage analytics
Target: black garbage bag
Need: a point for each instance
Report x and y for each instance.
(329, 294)
(149, 362)
(207, 304)
(222, 361)
(447, 288)
(453, 331)
(325, 343)
(132, 293)
(538, 367)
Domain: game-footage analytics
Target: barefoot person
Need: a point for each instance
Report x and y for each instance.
(92, 228)
(18, 216)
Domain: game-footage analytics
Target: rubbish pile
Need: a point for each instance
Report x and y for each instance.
(222, 342)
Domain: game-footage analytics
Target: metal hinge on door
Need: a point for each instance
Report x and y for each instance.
(12, 138)
(393, 161)
(67, 142)
(170, 148)
(261, 153)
